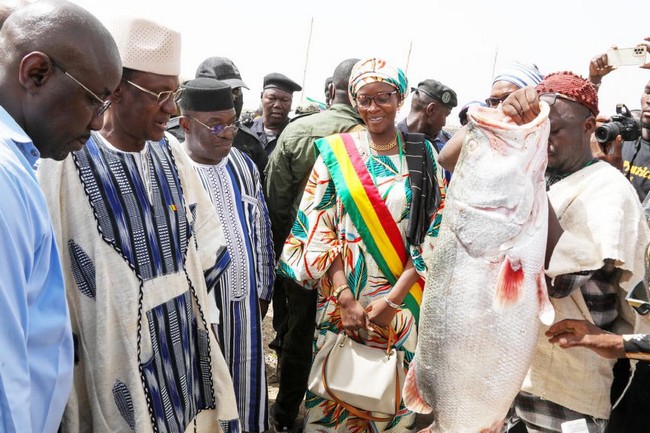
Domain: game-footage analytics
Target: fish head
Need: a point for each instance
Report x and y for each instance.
(500, 170)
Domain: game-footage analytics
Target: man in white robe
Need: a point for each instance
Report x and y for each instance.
(141, 248)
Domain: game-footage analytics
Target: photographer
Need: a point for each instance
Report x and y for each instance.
(635, 151)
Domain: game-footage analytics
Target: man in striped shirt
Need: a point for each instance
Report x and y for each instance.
(243, 291)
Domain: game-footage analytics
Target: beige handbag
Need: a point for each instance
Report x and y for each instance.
(361, 378)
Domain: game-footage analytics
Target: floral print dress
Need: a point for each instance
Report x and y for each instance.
(323, 230)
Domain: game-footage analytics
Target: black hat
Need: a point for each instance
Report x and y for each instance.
(206, 94)
(439, 92)
(222, 69)
(275, 80)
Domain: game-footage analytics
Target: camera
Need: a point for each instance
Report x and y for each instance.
(623, 124)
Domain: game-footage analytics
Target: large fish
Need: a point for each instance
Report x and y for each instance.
(486, 286)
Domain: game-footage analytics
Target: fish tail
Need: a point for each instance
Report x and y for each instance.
(412, 398)
(509, 282)
(546, 312)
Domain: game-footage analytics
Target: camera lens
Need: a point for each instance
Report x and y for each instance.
(607, 132)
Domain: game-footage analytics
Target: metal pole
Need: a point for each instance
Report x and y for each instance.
(304, 74)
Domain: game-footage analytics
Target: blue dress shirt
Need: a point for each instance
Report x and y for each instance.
(36, 348)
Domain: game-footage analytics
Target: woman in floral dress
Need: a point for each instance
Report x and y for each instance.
(366, 224)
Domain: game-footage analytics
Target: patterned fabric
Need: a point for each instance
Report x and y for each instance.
(141, 236)
(519, 74)
(124, 403)
(599, 290)
(181, 356)
(323, 230)
(151, 235)
(82, 269)
(544, 416)
(356, 190)
(637, 346)
(236, 192)
(376, 70)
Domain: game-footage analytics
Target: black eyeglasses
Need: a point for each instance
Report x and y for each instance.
(494, 102)
(218, 129)
(381, 98)
(101, 104)
(161, 97)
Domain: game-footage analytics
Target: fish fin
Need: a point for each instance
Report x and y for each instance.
(509, 282)
(546, 312)
(412, 398)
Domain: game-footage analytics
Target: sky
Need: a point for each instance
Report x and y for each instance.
(459, 43)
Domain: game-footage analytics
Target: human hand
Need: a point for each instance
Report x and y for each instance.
(353, 316)
(522, 106)
(380, 313)
(599, 67)
(615, 157)
(646, 44)
(582, 333)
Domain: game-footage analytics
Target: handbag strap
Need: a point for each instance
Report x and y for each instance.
(367, 415)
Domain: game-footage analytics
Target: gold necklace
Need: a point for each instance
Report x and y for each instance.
(383, 147)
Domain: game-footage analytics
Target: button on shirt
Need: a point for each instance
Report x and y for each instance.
(36, 348)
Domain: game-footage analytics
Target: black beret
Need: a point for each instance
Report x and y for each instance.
(206, 94)
(275, 80)
(221, 68)
(439, 92)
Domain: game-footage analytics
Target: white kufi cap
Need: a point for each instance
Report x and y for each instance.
(147, 46)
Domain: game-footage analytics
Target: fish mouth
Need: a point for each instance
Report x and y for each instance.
(507, 212)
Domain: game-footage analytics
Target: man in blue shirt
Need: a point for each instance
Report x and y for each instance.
(36, 344)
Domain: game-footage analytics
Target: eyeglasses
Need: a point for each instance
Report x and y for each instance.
(494, 102)
(102, 105)
(381, 98)
(218, 129)
(550, 98)
(161, 97)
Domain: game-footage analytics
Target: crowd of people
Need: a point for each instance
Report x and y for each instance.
(147, 231)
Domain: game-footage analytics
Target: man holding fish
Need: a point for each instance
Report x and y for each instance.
(594, 254)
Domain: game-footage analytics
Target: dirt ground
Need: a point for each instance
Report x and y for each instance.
(271, 369)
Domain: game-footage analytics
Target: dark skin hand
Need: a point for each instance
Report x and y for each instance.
(581, 333)
(612, 152)
(353, 316)
(522, 106)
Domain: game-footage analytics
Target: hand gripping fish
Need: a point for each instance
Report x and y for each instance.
(486, 286)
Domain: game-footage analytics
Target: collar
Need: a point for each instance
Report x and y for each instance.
(11, 130)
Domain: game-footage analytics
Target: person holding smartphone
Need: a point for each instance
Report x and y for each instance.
(630, 156)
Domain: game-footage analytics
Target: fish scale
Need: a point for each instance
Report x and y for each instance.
(485, 288)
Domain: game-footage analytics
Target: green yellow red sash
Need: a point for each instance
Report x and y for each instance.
(368, 212)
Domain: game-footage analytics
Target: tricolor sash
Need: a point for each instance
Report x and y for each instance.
(368, 212)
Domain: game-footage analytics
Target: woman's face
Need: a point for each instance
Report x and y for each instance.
(377, 104)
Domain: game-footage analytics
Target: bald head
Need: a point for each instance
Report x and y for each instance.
(60, 29)
(39, 42)
(7, 7)
(340, 79)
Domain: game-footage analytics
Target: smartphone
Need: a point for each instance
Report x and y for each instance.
(626, 56)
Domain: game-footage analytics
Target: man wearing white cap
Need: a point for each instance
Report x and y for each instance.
(141, 247)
